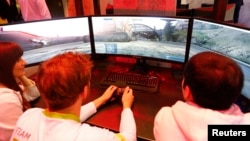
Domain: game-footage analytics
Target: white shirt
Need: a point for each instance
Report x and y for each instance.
(11, 108)
(37, 124)
(189, 122)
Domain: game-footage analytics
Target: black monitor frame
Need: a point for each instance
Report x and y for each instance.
(65, 34)
(141, 57)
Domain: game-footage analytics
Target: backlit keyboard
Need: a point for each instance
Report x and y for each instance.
(136, 81)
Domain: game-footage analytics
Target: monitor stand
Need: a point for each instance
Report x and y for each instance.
(140, 66)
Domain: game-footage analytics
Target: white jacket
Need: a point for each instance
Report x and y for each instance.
(37, 124)
(11, 108)
(189, 122)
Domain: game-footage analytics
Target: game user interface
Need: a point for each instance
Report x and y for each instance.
(162, 38)
(44, 39)
(224, 39)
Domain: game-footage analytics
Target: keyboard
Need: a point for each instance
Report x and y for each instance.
(136, 81)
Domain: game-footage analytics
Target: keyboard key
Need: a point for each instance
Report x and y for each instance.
(141, 82)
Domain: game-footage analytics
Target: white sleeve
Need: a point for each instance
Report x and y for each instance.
(127, 125)
(31, 93)
(87, 110)
(157, 122)
(10, 112)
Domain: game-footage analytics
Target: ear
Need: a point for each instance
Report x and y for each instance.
(186, 92)
(86, 91)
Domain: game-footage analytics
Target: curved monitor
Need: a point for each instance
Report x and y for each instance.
(150, 37)
(226, 39)
(43, 39)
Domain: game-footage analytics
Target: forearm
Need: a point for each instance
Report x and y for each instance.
(99, 102)
(127, 125)
(105, 96)
(87, 110)
(31, 93)
(29, 86)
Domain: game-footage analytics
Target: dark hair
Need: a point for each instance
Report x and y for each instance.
(62, 78)
(10, 11)
(215, 81)
(10, 53)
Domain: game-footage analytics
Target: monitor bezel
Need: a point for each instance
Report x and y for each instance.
(223, 23)
(53, 19)
(97, 55)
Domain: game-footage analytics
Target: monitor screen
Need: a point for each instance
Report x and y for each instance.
(225, 39)
(44, 39)
(161, 38)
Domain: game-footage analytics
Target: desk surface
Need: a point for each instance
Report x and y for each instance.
(146, 105)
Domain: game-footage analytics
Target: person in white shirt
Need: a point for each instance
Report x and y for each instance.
(34, 10)
(15, 88)
(64, 83)
(211, 84)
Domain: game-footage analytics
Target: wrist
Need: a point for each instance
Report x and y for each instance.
(126, 106)
(26, 81)
(99, 101)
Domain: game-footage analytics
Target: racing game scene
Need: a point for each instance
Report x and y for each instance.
(41, 40)
(230, 41)
(150, 37)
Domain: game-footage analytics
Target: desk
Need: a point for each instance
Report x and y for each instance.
(146, 105)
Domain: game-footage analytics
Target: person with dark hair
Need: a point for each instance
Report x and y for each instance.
(64, 83)
(210, 86)
(9, 11)
(15, 88)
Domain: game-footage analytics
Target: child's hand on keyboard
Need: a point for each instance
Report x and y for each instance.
(106, 96)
